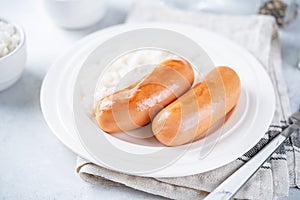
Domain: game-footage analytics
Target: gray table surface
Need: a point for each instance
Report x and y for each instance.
(34, 164)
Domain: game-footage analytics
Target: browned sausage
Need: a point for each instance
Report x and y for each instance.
(198, 109)
(131, 107)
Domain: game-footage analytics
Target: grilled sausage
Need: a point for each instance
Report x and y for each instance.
(133, 106)
(198, 109)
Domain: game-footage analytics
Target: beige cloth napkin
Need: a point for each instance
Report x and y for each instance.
(258, 34)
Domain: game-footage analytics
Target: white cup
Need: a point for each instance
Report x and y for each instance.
(75, 14)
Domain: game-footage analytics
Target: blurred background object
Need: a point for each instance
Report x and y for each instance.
(298, 64)
(284, 11)
(75, 14)
(218, 6)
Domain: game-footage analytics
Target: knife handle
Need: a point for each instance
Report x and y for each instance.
(228, 188)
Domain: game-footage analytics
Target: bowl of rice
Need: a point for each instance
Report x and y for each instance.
(12, 53)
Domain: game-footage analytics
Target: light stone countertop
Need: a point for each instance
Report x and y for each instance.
(34, 164)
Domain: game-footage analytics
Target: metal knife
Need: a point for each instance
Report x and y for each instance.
(228, 188)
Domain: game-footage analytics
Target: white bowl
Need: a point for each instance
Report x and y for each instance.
(12, 65)
(75, 14)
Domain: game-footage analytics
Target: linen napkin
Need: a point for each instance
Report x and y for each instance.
(258, 34)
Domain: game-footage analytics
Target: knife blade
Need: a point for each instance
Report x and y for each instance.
(228, 188)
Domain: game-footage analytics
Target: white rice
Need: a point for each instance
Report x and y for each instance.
(9, 38)
(128, 69)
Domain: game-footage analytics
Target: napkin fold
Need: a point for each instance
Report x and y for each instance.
(258, 34)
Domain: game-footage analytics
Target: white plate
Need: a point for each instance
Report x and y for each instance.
(243, 129)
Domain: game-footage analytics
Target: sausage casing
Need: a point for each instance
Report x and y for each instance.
(198, 109)
(133, 106)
